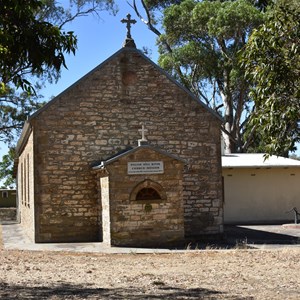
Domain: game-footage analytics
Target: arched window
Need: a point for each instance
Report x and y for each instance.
(148, 190)
(148, 193)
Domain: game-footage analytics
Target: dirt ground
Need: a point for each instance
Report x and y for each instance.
(203, 274)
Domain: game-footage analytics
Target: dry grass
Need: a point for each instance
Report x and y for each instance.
(224, 274)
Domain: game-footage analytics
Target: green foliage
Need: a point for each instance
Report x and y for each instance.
(262, 4)
(272, 60)
(158, 4)
(15, 107)
(162, 4)
(33, 46)
(27, 43)
(32, 39)
(6, 169)
(206, 38)
(32, 49)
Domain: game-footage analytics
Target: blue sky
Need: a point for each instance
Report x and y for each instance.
(98, 39)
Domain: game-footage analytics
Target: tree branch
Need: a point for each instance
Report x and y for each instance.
(158, 33)
(78, 14)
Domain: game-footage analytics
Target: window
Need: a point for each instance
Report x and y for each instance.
(148, 190)
(4, 194)
(148, 194)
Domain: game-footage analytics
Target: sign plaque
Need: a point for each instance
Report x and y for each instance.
(145, 167)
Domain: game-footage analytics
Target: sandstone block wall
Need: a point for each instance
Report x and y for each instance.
(25, 190)
(101, 115)
(8, 214)
(145, 222)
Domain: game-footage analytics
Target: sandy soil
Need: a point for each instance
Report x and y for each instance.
(210, 274)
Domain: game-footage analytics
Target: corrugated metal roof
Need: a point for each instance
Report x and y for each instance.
(257, 160)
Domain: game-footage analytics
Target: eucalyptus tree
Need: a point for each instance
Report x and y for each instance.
(33, 45)
(200, 44)
(272, 61)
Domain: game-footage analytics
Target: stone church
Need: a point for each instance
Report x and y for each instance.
(126, 155)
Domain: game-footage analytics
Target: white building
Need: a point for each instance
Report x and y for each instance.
(258, 190)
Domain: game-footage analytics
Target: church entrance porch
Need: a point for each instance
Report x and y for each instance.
(141, 198)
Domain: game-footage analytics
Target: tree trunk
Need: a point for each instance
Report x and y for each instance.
(229, 134)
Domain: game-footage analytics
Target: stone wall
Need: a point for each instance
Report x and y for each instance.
(100, 115)
(25, 190)
(8, 214)
(145, 222)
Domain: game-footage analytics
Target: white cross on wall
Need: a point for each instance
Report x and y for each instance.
(143, 130)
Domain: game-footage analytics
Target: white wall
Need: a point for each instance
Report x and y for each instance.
(260, 195)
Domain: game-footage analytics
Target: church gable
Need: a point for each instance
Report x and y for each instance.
(117, 96)
(127, 71)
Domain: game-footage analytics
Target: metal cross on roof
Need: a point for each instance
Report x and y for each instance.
(128, 22)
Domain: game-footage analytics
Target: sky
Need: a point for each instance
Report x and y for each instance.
(99, 37)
